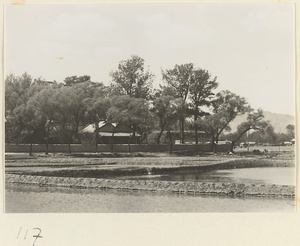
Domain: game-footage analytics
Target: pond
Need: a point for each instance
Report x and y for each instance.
(34, 199)
(258, 175)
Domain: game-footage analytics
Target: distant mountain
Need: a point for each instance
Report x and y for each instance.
(278, 121)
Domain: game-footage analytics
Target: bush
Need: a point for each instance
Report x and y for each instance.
(164, 139)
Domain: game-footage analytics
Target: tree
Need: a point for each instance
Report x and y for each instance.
(254, 122)
(63, 118)
(45, 105)
(200, 93)
(30, 125)
(97, 108)
(134, 112)
(165, 109)
(75, 80)
(179, 80)
(211, 125)
(131, 79)
(16, 91)
(77, 106)
(290, 131)
(227, 106)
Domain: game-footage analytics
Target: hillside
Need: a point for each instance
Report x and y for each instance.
(279, 121)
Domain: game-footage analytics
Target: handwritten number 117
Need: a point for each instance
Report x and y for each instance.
(38, 235)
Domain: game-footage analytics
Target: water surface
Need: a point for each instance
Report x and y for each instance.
(34, 199)
(258, 175)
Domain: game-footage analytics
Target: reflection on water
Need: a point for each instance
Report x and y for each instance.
(33, 199)
(264, 175)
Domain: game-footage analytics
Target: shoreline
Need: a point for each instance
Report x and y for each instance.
(101, 173)
(196, 188)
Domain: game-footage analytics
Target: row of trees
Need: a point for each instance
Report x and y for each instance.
(267, 137)
(187, 97)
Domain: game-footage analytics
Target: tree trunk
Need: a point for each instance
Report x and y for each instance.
(30, 150)
(96, 136)
(159, 135)
(170, 139)
(232, 146)
(47, 142)
(47, 148)
(237, 139)
(213, 145)
(47, 139)
(182, 130)
(112, 143)
(69, 147)
(195, 125)
(76, 129)
(171, 148)
(96, 142)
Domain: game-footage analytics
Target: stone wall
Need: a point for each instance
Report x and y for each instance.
(195, 188)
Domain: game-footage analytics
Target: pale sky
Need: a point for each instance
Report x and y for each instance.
(249, 47)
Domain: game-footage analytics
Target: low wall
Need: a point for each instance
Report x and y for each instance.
(63, 148)
(156, 186)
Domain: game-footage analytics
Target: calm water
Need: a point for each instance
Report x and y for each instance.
(33, 199)
(264, 175)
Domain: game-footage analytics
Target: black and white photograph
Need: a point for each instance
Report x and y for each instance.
(150, 108)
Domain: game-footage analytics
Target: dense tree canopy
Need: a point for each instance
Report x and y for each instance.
(194, 87)
(165, 108)
(132, 79)
(40, 111)
(131, 111)
(75, 80)
(290, 131)
(228, 105)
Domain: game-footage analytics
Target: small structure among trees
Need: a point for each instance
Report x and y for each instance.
(109, 133)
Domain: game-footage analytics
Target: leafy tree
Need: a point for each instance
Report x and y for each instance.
(63, 117)
(165, 109)
(132, 79)
(134, 112)
(30, 125)
(77, 106)
(97, 108)
(75, 80)
(290, 131)
(211, 125)
(227, 106)
(18, 92)
(200, 93)
(271, 135)
(15, 91)
(254, 122)
(45, 105)
(179, 80)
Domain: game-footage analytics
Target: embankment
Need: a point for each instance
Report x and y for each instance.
(195, 188)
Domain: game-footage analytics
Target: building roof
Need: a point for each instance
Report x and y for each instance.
(109, 129)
